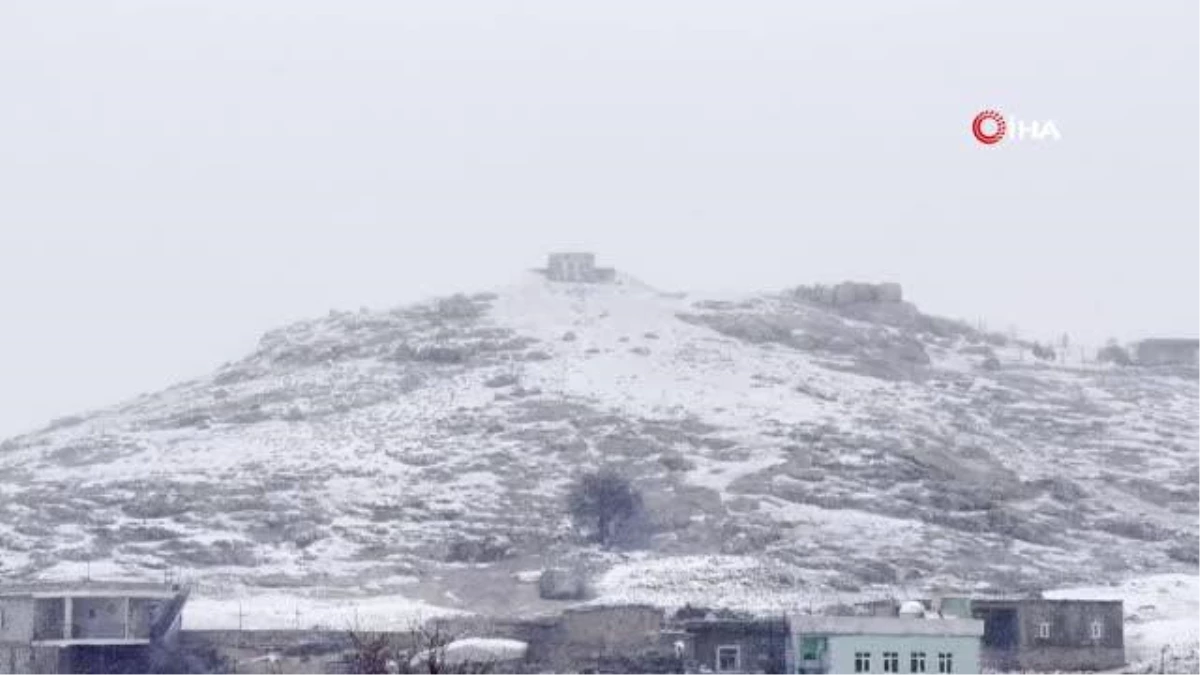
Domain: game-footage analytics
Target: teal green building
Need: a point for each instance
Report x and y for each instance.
(883, 644)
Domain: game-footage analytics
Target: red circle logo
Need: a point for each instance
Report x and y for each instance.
(992, 135)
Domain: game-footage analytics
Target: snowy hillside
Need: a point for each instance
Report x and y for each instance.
(423, 452)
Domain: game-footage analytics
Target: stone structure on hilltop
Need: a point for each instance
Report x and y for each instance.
(577, 268)
(1168, 351)
(850, 292)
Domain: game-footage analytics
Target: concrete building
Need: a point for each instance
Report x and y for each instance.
(737, 645)
(1167, 352)
(87, 626)
(577, 268)
(908, 643)
(1033, 634)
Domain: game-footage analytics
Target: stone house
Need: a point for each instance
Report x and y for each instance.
(1167, 352)
(850, 293)
(86, 626)
(1035, 634)
(737, 645)
(597, 638)
(577, 268)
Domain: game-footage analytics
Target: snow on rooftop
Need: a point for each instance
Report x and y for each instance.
(293, 610)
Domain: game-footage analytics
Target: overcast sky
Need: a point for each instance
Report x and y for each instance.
(177, 177)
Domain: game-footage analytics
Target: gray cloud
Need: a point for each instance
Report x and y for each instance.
(177, 177)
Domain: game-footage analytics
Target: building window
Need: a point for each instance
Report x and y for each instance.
(1044, 630)
(891, 662)
(916, 662)
(862, 662)
(1097, 629)
(729, 658)
(945, 662)
(811, 649)
(1, 618)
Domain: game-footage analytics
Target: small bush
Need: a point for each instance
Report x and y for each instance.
(502, 380)
(1114, 354)
(489, 549)
(604, 504)
(442, 355)
(675, 461)
(1043, 352)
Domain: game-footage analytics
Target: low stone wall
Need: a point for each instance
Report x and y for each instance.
(850, 292)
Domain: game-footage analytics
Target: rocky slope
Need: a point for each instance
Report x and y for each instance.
(785, 447)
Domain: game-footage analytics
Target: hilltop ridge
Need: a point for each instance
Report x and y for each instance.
(786, 447)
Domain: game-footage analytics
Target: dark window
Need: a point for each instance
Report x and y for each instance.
(729, 658)
(916, 662)
(1001, 630)
(891, 662)
(811, 649)
(862, 662)
(945, 662)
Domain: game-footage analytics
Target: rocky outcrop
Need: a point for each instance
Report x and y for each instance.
(850, 292)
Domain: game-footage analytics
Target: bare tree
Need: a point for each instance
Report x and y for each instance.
(604, 502)
(423, 650)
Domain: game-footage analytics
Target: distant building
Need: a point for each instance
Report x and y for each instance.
(577, 268)
(850, 293)
(1034, 634)
(1167, 351)
(907, 643)
(86, 626)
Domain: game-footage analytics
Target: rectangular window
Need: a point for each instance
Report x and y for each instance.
(1044, 630)
(862, 662)
(891, 662)
(1097, 630)
(916, 662)
(729, 659)
(812, 648)
(945, 662)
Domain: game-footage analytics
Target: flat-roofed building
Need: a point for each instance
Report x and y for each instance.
(907, 643)
(85, 626)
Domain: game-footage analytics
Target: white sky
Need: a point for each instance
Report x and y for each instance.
(177, 177)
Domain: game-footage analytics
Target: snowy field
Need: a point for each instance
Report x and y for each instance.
(284, 611)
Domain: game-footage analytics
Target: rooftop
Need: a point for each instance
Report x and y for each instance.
(1170, 342)
(90, 587)
(883, 625)
(1010, 601)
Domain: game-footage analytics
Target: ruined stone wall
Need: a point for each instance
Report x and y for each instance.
(578, 268)
(850, 292)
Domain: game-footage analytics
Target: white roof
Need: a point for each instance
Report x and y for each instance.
(477, 650)
(883, 625)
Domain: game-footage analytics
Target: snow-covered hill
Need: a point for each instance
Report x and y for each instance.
(424, 451)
